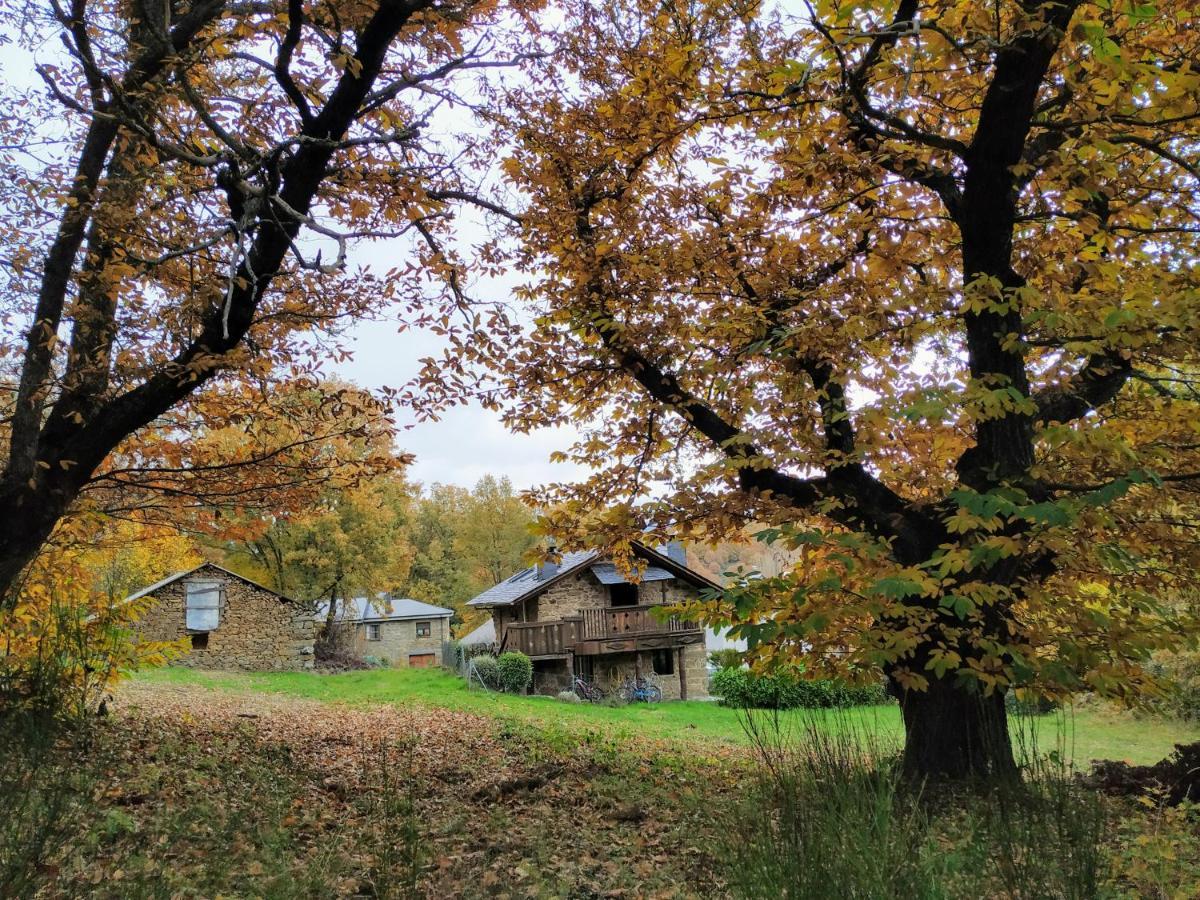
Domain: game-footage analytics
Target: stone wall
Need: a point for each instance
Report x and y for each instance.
(256, 630)
(550, 676)
(611, 669)
(583, 590)
(398, 640)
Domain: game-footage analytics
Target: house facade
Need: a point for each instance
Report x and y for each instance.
(583, 618)
(405, 633)
(229, 621)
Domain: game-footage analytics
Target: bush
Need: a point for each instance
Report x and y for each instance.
(569, 697)
(515, 671)
(1182, 673)
(377, 662)
(747, 690)
(486, 669)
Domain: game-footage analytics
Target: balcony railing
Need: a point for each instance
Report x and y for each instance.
(553, 638)
(558, 637)
(629, 621)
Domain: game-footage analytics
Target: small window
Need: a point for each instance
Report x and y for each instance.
(664, 662)
(424, 629)
(200, 640)
(623, 594)
(373, 631)
(203, 601)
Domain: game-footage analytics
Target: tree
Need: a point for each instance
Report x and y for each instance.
(494, 532)
(240, 458)
(914, 283)
(352, 542)
(217, 159)
(467, 541)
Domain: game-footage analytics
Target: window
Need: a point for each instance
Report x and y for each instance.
(623, 594)
(373, 631)
(203, 601)
(664, 662)
(424, 629)
(200, 640)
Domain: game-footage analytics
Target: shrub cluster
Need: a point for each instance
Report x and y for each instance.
(1181, 671)
(744, 689)
(515, 671)
(512, 672)
(487, 670)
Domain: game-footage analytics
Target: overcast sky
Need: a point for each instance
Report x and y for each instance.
(468, 442)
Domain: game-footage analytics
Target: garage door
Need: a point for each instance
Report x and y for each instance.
(421, 660)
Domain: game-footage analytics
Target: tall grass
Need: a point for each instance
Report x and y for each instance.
(828, 817)
(48, 747)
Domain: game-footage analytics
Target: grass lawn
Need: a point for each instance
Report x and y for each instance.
(1081, 735)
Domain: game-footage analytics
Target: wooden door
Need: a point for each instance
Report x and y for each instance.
(421, 660)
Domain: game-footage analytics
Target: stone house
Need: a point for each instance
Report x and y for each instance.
(581, 617)
(406, 633)
(230, 621)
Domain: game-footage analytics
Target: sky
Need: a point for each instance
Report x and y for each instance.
(469, 441)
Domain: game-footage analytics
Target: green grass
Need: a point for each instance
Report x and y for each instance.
(1081, 735)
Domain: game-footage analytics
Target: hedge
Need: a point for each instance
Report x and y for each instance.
(744, 689)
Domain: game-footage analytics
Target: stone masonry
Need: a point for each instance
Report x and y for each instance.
(398, 640)
(582, 590)
(257, 629)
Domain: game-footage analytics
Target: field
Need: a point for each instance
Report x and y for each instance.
(1082, 734)
(394, 783)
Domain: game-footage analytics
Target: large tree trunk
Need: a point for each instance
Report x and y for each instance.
(955, 732)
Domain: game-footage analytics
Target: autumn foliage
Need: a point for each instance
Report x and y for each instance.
(911, 283)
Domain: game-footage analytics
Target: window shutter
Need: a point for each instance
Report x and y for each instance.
(203, 603)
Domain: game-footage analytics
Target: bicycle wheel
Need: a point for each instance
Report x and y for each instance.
(652, 693)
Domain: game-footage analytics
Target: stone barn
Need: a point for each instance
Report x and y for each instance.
(230, 621)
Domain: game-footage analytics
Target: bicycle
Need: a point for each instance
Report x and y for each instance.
(585, 690)
(639, 689)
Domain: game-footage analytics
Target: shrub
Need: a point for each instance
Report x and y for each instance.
(747, 690)
(515, 672)
(486, 669)
(1181, 671)
(376, 662)
(569, 697)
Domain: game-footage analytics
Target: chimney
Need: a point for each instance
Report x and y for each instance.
(673, 550)
(546, 570)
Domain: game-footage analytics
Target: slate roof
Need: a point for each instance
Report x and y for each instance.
(526, 583)
(382, 609)
(608, 573)
(208, 565)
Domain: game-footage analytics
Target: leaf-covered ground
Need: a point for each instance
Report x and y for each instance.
(212, 785)
(207, 794)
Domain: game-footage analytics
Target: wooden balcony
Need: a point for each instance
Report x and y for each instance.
(604, 630)
(542, 640)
